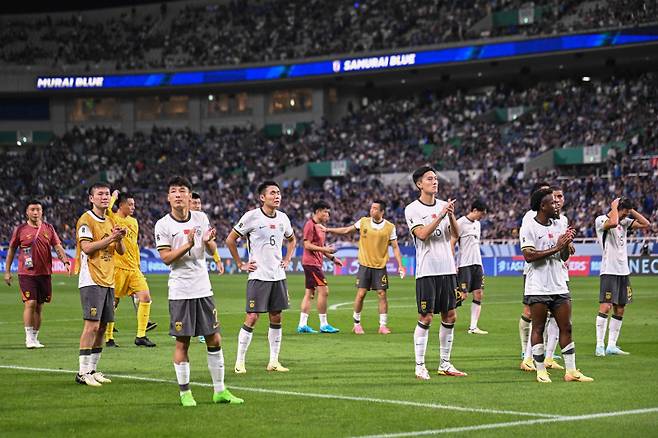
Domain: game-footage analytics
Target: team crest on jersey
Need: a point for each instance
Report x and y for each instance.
(178, 326)
(608, 296)
(281, 227)
(93, 311)
(252, 304)
(423, 305)
(364, 232)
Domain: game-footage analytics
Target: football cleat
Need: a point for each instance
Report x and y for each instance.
(358, 330)
(144, 342)
(305, 329)
(615, 351)
(576, 376)
(477, 331)
(551, 364)
(99, 377)
(151, 325)
(276, 366)
(527, 365)
(226, 397)
(329, 329)
(543, 377)
(110, 343)
(383, 330)
(600, 351)
(30, 344)
(422, 373)
(186, 399)
(86, 379)
(448, 369)
(240, 368)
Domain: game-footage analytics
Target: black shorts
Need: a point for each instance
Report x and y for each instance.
(35, 287)
(436, 294)
(97, 303)
(470, 278)
(314, 276)
(267, 296)
(615, 289)
(371, 278)
(193, 317)
(552, 301)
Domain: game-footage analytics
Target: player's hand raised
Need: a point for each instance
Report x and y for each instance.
(615, 203)
(449, 208)
(115, 194)
(190, 237)
(249, 266)
(210, 234)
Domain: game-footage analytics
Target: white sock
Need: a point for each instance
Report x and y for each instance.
(323, 319)
(35, 335)
(420, 342)
(383, 319)
(552, 337)
(29, 334)
(615, 328)
(524, 333)
(446, 333)
(527, 354)
(216, 368)
(356, 316)
(538, 356)
(601, 322)
(94, 358)
(476, 307)
(84, 363)
(569, 355)
(274, 335)
(303, 319)
(182, 373)
(244, 339)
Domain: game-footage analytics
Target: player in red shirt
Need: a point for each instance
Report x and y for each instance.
(312, 260)
(33, 240)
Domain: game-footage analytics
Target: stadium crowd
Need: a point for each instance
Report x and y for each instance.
(454, 132)
(241, 31)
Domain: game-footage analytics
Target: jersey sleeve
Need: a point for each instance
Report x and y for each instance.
(527, 238)
(414, 219)
(394, 234)
(357, 224)
(245, 225)
(163, 237)
(54, 237)
(599, 222)
(627, 222)
(309, 230)
(15, 241)
(84, 232)
(287, 229)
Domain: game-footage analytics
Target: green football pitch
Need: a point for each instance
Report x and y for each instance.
(338, 385)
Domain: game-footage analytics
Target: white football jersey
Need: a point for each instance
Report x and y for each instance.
(433, 255)
(613, 244)
(469, 243)
(265, 235)
(545, 276)
(188, 276)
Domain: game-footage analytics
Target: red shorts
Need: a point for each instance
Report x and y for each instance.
(35, 287)
(314, 276)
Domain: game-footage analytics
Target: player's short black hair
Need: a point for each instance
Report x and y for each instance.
(321, 205)
(265, 184)
(33, 202)
(179, 181)
(538, 185)
(123, 197)
(537, 197)
(382, 204)
(196, 195)
(98, 185)
(479, 205)
(625, 204)
(418, 173)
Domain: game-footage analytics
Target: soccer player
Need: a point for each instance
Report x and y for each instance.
(312, 260)
(470, 275)
(128, 277)
(432, 224)
(182, 238)
(97, 241)
(545, 247)
(265, 229)
(33, 240)
(195, 205)
(615, 288)
(376, 234)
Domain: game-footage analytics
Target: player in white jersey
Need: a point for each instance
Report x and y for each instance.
(181, 238)
(615, 289)
(546, 247)
(432, 223)
(265, 229)
(470, 275)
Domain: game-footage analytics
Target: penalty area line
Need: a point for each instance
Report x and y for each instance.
(307, 394)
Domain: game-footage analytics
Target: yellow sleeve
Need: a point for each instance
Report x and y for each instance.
(215, 256)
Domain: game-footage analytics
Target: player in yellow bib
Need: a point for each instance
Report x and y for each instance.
(128, 277)
(376, 234)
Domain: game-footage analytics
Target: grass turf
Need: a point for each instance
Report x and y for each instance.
(49, 403)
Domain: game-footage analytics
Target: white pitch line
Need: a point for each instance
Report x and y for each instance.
(514, 423)
(307, 394)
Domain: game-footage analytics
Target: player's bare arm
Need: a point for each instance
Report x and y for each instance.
(10, 259)
(640, 221)
(531, 254)
(169, 255)
(341, 231)
(210, 240)
(425, 231)
(398, 257)
(613, 216)
(59, 250)
(232, 245)
(291, 243)
(90, 248)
